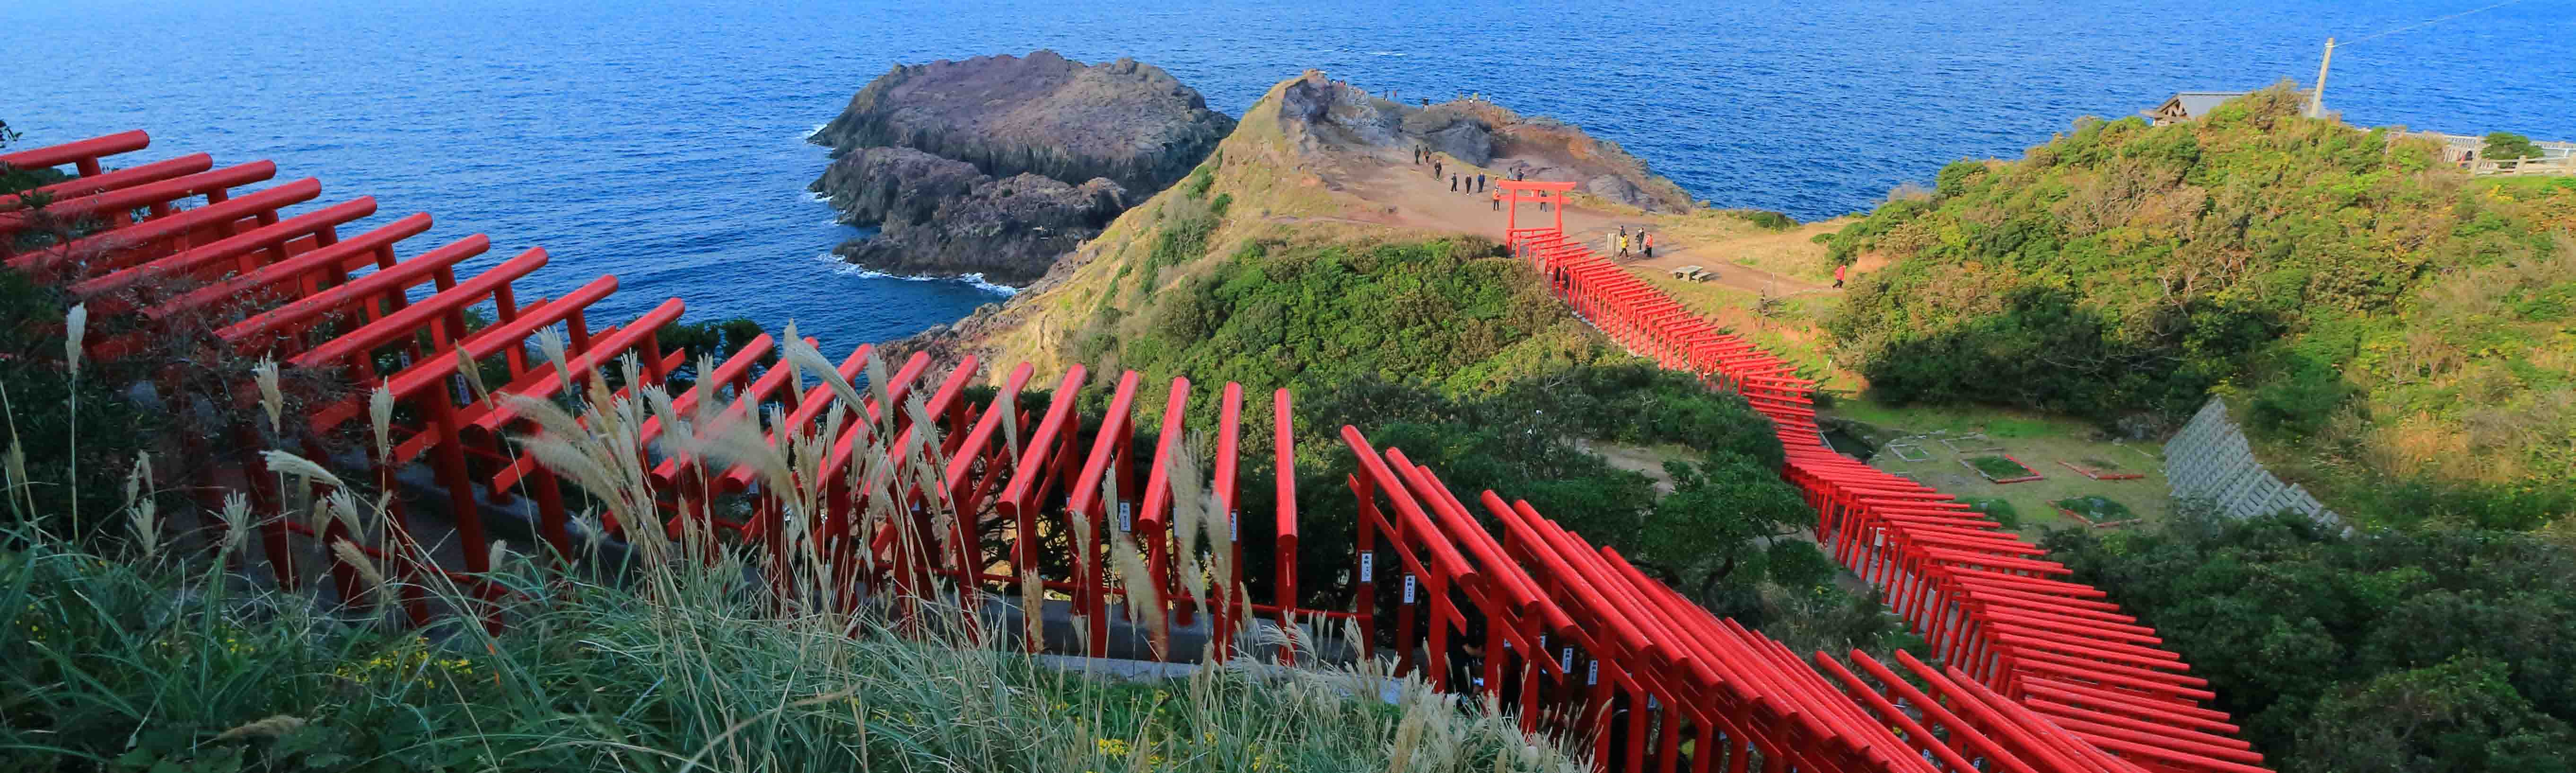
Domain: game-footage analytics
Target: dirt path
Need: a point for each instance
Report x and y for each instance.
(1711, 258)
(1406, 195)
(1719, 258)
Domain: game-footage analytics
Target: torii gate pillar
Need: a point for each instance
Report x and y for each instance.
(1517, 191)
(1543, 192)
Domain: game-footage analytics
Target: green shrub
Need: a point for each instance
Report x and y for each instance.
(1305, 317)
(2508, 146)
(2096, 508)
(1196, 187)
(1765, 219)
(2298, 404)
(2318, 642)
(1997, 508)
(1957, 176)
(1182, 237)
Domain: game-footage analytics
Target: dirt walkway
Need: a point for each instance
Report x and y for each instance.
(1718, 258)
(1406, 195)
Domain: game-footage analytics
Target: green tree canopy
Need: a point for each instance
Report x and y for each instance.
(2442, 650)
(2508, 145)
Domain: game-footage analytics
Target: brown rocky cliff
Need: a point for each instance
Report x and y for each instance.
(998, 165)
(1127, 121)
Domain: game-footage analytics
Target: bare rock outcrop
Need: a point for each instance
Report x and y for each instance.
(1124, 120)
(1325, 115)
(1333, 114)
(999, 164)
(1453, 128)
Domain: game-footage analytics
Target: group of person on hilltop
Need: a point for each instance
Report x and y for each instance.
(1643, 242)
(1462, 182)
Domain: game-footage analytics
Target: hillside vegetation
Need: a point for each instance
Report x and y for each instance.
(2398, 334)
(1309, 307)
(2399, 650)
(1435, 343)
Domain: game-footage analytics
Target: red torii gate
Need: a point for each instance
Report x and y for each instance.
(1541, 191)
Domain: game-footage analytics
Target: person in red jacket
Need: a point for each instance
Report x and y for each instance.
(1838, 273)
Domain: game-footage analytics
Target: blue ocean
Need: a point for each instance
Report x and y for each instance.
(664, 141)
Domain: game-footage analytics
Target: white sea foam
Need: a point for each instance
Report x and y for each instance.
(1384, 53)
(808, 136)
(976, 280)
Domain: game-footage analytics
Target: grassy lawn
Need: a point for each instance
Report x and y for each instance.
(2041, 442)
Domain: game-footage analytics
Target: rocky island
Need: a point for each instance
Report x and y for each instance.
(998, 165)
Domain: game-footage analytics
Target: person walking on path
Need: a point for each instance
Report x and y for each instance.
(1480, 182)
(1453, 183)
(1838, 273)
(1498, 202)
(1649, 241)
(1417, 154)
(1435, 168)
(1623, 245)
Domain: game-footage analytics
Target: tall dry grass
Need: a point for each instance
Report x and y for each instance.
(704, 654)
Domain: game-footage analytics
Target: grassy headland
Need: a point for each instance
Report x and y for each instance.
(2385, 322)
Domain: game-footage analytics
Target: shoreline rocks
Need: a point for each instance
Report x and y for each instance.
(1009, 230)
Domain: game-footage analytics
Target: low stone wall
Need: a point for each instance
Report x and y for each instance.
(2210, 461)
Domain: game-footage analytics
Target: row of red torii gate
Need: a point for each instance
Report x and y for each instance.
(908, 486)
